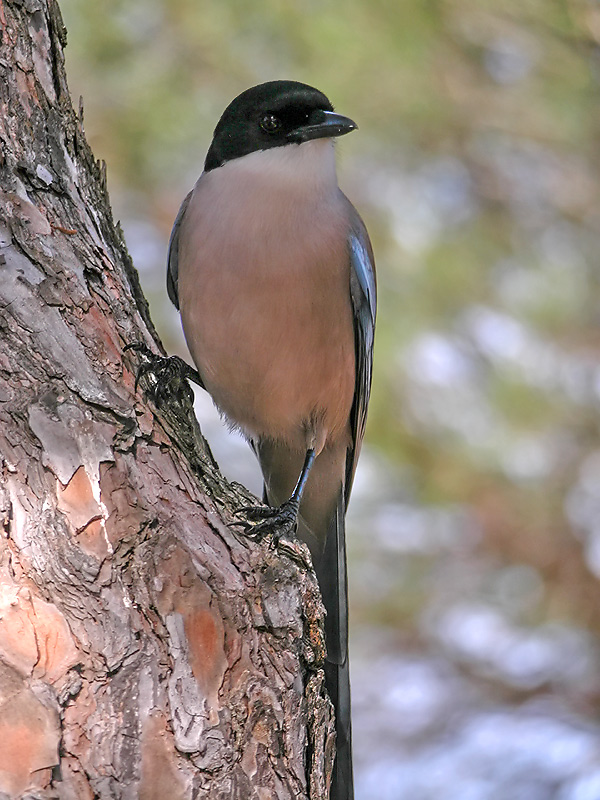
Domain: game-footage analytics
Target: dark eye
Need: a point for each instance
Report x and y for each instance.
(270, 123)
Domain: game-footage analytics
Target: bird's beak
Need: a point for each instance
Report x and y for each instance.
(322, 125)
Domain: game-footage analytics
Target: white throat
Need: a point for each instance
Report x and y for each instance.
(309, 166)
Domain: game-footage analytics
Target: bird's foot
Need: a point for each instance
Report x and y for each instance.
(261, 520)
(165, 377)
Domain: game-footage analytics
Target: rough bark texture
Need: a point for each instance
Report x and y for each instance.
(146, 649)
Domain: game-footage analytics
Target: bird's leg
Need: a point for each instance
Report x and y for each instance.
(283, 520)
(167, 376)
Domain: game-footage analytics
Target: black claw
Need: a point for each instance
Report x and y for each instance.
(262, 520)
(167, 376)
(255, 513)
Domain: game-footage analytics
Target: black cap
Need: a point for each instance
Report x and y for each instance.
(270, 115)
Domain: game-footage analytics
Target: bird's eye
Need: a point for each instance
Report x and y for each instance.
(270, 123)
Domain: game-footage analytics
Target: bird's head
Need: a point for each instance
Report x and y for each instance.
(274, 114)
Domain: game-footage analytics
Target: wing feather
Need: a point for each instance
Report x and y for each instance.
(363, 292)
(173, 256)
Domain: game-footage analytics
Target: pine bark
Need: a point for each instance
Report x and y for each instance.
(147, 649)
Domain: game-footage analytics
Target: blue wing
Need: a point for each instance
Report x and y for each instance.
(363, 292)
(173, 257)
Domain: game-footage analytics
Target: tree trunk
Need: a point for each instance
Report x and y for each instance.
(146, 649)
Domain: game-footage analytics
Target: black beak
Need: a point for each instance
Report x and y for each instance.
(322, 125)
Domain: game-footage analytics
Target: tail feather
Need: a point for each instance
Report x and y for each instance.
(332, 575)
(337, 680)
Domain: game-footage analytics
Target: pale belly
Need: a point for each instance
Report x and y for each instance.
(270, 328)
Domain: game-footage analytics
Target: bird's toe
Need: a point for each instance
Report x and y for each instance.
(259, 521)
(164, 378)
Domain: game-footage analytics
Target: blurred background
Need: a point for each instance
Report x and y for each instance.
(474, 531)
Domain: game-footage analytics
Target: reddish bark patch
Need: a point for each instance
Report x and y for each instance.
(84, 515)
(186, 594)
(92, 539)
(77, 500)
(29, 734)
(205, 639)
(34, 636)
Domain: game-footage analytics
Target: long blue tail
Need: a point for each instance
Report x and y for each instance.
(332, 574)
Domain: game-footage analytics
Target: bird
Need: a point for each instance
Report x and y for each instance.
(272, 270)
